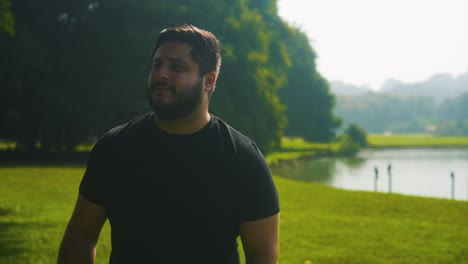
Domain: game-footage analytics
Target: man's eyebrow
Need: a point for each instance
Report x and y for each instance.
(178, 60)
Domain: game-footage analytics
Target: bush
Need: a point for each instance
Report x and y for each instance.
(347, 146)
(357, 134)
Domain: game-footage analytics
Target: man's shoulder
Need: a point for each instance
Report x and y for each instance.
(239, 140)
(129, 128)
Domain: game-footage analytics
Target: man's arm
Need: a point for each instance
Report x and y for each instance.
(82, 233)
(260, 239)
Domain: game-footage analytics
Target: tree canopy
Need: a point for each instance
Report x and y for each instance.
(7, 23)
(74, 69)
(377, 113)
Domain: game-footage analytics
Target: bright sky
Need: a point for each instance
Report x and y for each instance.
(365, 42)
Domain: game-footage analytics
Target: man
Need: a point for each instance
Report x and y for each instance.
(178, 184)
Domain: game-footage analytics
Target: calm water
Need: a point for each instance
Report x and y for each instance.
(421, 171)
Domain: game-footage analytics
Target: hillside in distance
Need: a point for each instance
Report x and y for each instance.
(438, 105)
(341, 88)
(439, 86)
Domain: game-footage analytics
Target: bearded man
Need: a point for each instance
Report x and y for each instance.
(177, 184)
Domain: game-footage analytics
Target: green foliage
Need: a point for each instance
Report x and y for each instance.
(76, 69)
(381, 112)
(7, 23)
(453, 128)
(347, 146)
(307, 95)
(357, 134)
(249, 80)
(406, 114)
(453, 117)
(352, 140)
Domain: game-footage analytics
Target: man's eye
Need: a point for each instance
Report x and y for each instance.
(178, 67)
(156, 66)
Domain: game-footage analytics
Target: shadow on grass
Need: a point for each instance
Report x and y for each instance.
(43, 164)
(14, 242)
(11, 159)
(9, 245)
(8, 157)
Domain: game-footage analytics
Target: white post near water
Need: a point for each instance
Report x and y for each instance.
(389, 171)
(376, 178)
(452, 175)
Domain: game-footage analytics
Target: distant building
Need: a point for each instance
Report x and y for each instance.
(430, 128)
(387, 133)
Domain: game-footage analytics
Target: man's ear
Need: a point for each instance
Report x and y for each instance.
(210, 81)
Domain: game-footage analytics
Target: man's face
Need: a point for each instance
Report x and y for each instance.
(174, 85)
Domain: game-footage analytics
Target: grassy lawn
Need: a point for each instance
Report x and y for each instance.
(319, 224)
(296, 148)
(36, 203)
(414, 140)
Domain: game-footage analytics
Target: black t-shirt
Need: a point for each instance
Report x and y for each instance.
(178, 198)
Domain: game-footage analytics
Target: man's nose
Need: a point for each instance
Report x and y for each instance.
(161, 73)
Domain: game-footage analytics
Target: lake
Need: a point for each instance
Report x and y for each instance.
(414, 171)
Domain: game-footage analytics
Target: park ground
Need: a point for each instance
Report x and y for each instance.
(319, 224)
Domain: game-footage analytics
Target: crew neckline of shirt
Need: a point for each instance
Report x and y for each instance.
(156, 128)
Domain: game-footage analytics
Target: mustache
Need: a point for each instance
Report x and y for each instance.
(161, 84)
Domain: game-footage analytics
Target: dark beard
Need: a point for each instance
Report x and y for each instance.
(184, 103)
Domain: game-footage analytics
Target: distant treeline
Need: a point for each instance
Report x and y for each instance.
(441, 86)
(379, 112)
(70, 70)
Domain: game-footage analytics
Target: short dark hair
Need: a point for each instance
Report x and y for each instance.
(206, 48)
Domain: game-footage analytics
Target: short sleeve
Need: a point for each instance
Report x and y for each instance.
(258, 193)
(93, 183)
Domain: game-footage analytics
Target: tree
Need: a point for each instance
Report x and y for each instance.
(250, 77)
(7, 23)
(307, 95)
(76, 66)
(452, 119)
(352, 140)
(377, 112)
(74, 69)
(347, 146)
(357, 134)
(80, 68)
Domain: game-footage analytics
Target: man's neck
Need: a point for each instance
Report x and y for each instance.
(183, 126)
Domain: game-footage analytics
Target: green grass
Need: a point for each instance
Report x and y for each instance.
(293, 148)
(7, 145)
(318, 224)
(327, 225)
(297, 143)
(414, 140)
(11, 145)
(37, 202)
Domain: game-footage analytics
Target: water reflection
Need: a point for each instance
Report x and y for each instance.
(354, 162)
(323, 170)
(320, 170)
(424, 172)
